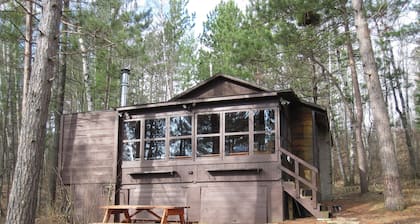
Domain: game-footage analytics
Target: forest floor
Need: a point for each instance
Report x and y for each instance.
(369, 208)
(355, 208)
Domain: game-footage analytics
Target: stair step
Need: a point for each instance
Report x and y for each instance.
(289, 184)
(306, 193)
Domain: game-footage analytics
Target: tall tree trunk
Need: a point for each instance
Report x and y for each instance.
(52, 168)
(2, 149)
(108, 79)
(395, 73)
(28, 51)
(86, 75)
(392, 192)
(358, 108)
(22, 201)
(11, 118)
(337, 146)
(348, 112)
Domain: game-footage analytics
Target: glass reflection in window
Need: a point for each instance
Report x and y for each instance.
(155, 128)
(208, 123)
(208, 146)
(130, 151)
(154, 150)
(236, 121)
(180, 147)
(264, 120)
(180, 126)
(131, 136)
(131, 130)
(236, 144)
(264, 143)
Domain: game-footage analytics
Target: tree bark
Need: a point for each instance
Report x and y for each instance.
(86, 75)
(392, 191)
(28, 51)
(23, 197)
(337, 146)
(358, 109)
(58, 112)
(394, 75)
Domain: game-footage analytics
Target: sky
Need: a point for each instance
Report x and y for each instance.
(204, 7)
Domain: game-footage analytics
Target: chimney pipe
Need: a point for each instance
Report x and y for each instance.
(125, 72)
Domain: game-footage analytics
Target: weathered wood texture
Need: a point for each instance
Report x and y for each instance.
(323, 149)
(224, 202)
(240, 204)
(302, 133)
(89, 148)
(220, 86)
(87, 200)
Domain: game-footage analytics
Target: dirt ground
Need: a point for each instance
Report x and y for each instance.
(369, 208)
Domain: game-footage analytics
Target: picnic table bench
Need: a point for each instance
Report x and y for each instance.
(130, 211)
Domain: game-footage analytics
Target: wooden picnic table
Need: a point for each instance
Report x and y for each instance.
(129, 211)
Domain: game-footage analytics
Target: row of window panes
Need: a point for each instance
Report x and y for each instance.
(237, 134)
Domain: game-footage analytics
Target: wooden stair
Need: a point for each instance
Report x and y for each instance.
(301, 189)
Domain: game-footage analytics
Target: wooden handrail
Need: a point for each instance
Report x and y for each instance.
(298, 179)
(301, 161)
(301, 179)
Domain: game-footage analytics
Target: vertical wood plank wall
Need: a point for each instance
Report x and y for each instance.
(88, 156)
(302, 133)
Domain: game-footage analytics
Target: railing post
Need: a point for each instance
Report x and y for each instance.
(297, 185)
(314, 193)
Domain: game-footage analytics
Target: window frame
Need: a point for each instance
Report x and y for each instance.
(181, 137)
(221, 111)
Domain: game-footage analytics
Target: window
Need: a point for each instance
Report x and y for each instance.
(264, 131)
(236, 133)
(208, 134)
(131, 140)
(154, 134)
(180, 144)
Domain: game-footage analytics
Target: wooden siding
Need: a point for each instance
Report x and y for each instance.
(223, 202)
(220, 86)
(225, 88)
(302, 133)
(89, 148)
(234, 204)
(87, 199)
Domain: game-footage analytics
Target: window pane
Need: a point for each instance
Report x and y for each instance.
(236, 121)
(180, 147)
(264, 120)
(155, 128)
(180, 126)
(236, 143)
(130, 151)
(208, 123)
(154, 150)
(131, 130)
(207, 146)
(264, 143)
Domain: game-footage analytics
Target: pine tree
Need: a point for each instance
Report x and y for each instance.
(23, 200)
(393, 193)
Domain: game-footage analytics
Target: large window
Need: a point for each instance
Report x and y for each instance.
(208, 134)
(205, 134)
(154, 134)
(180, 144)
(131, 140)
(237, 133)
(264, 131)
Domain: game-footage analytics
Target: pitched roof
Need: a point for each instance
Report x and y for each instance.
(220, 85)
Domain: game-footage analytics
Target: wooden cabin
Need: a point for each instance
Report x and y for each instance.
(232, 151)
